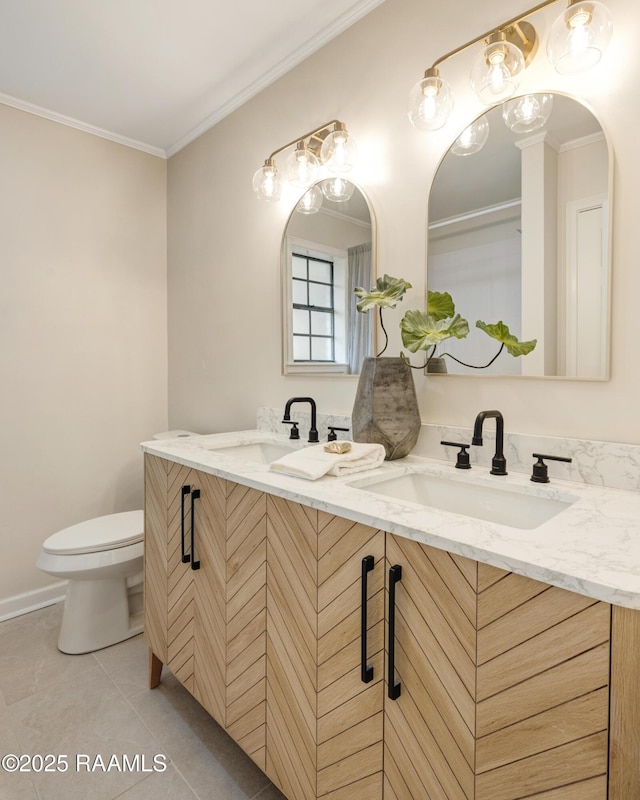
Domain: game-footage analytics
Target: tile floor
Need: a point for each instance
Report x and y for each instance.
(99, 705)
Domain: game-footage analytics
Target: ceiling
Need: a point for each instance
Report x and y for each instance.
(155, 74)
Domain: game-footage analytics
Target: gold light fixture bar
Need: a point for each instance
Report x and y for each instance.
(315, 137)
(522, 37)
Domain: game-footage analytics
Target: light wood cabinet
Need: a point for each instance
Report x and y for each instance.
(501, 687)
(187, 623)
(246, 619)
(205, 617)
(429, 728)
(504, 684)
(324, 724)
(542, 690)
(267, 632)
(155, 561)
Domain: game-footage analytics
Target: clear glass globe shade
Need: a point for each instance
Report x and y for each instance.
(310, 202)
(527, 113)
(339, 190)
(339, 152)
(430, 103)
(495, 74)
(302, 168)
(579, 37)
(267, 183)
(472, 139)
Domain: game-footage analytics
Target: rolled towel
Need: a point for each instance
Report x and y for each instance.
(314, 462)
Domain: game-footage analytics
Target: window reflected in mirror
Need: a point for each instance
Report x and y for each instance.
(313, 296)
(328, 250)
(518, 231)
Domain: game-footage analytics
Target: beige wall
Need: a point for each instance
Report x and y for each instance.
(82, 331)
(224, 245)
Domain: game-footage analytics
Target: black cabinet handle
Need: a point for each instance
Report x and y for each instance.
(366, 669)
(394, 687)
(184, 492)
(195, 495)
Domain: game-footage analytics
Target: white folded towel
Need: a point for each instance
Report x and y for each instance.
(314, 462)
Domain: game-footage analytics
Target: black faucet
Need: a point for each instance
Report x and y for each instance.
(498, 462)
(313, 432)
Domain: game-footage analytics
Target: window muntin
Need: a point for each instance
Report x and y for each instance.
(313, 318)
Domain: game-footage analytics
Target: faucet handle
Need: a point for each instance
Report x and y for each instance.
(462, 459)
(332, 432)
(295, 433)
(540, 473)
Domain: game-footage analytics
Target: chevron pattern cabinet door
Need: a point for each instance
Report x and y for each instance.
(209, 625)
(292, 635)
(210, 595)
(324, 725)
(246, 620)
(543, 691)
(180, 580)
(505, 684)
(155, 555)
(350, 712)
(430, 729)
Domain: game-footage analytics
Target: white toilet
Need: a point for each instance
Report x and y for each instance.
(101, 560)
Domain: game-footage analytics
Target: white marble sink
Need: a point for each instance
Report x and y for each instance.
(256, 452)
(502, 503)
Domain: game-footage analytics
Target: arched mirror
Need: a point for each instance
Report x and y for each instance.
(328, 249)
(518, 231)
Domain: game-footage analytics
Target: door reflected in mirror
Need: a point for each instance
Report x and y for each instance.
(518, 231)
(328, 249)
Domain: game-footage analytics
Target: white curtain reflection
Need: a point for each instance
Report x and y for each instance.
(359, 326)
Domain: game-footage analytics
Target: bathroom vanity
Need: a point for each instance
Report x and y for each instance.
(357, 645)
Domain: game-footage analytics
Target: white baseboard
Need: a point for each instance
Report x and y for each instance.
(31, 601)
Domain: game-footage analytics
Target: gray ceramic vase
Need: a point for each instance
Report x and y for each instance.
(385, 410)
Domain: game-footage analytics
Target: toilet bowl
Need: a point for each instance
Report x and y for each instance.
(101, 560)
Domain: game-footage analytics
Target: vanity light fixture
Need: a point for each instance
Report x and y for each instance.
(577, 40)
(338, 152)
(495, 74)
(330, 146)
(472, 139)
(302, 166)
(267, 183)
(579, 36)
(430, 101)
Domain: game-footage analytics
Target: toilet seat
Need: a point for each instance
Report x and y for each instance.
(98, 535)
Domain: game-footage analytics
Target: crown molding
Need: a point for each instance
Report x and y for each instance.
(281, 68)
(70, 122)
(582, 141)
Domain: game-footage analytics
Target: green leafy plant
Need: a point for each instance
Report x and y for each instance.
(387, 293)
(425, 330)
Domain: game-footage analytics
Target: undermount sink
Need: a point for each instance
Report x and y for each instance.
(504, 504)
(256, 452)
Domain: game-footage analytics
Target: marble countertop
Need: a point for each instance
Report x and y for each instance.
(592, 547)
